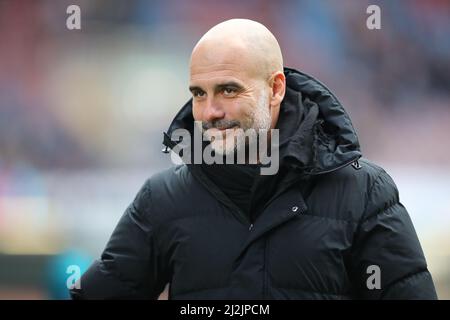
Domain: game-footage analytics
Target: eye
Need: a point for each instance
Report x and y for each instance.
(229, 91)
(198, 93)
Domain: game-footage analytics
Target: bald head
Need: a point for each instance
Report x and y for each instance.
(240, 42)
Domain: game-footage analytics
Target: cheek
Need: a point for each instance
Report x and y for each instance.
(196, 113)
(244, 111)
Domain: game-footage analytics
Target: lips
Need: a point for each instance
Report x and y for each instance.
(223, 129)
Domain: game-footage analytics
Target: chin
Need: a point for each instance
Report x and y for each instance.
(224, 149)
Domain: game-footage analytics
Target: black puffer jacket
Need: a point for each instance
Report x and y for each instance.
(327, 217)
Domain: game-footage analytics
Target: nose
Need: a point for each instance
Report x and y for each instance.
(213, 110)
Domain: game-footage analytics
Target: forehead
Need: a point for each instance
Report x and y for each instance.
(212, 64)
(213, 74)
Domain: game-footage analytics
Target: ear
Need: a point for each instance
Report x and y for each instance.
(277, 85)
(278, 88)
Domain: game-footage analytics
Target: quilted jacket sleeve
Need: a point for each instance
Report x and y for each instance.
(386, 246)
(131, 266)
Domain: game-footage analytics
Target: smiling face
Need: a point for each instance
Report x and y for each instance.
(225, 96)
(232, 88)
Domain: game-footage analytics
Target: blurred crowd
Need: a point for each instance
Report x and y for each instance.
(82, 111)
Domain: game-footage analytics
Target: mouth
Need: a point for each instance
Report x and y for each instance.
(223, 129)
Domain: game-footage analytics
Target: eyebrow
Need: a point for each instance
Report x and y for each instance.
(219, 87)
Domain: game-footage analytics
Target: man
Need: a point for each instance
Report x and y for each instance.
(327, 225)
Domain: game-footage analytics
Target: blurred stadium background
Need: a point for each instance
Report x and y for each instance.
(82, 113)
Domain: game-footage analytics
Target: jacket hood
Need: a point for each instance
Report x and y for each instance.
(316, 133)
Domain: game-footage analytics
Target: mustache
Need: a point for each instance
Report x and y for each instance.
(221, 124)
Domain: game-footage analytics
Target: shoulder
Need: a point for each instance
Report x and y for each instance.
(382, 192)
(170, 179)
(362, 176)
(357, 189)
(168, 194)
